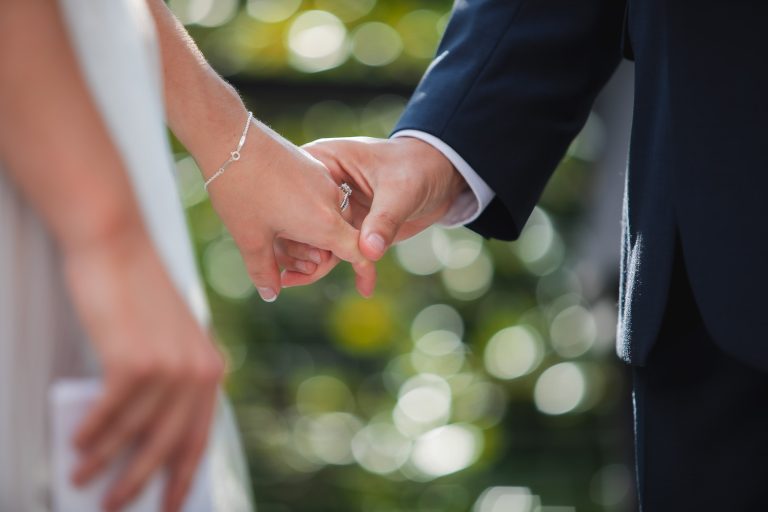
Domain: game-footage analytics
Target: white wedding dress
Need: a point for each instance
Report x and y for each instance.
(40, 339)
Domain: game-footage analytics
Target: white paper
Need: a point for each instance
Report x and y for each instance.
(69, 403)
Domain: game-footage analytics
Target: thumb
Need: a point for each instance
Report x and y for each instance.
(388, 212)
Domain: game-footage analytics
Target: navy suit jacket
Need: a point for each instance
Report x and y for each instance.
(513, 83)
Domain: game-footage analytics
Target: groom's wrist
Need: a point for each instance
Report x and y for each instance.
(445, 182)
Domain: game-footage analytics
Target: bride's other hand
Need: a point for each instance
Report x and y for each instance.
(161, 371)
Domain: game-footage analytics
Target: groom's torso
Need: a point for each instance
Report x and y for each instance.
(514, 83)
(698, 170)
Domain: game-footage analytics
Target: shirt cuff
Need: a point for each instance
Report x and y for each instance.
(470, 204)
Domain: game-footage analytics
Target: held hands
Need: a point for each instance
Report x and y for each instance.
(286, 194)
(401, 187)
(161, 370)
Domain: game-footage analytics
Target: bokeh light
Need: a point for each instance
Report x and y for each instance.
(207, 13)
(381, 448)
(376, 44)
(573, 331)
(438, 352)
(539, 247)
(363, 327)
(226, 271)
(347, 10)
(507, 499)
(471, 281)
(327, 438)
(424, 402)
(417, 254)
(481, 403)
(437, 317)
(513, 352)
(421, 30)
(560, 389)
(446, 450)
(457, 248)
(272, 11)
(190, 182)
(323, 393)
(317, 41)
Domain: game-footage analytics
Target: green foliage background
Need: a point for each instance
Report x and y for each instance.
(392, 404)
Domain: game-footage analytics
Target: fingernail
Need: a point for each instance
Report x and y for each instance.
(315, 256)
(267, 294)
(376, 241)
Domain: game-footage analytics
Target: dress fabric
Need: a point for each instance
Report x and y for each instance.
(41, 340)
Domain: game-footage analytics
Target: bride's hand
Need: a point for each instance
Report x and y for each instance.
(277, 191)
(161, 370)
(274, 191)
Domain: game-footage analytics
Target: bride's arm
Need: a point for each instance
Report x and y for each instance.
(160, 369)
(275, 190)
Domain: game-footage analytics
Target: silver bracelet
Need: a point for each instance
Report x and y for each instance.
(233, 156)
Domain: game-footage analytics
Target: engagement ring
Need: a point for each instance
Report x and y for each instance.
(347, 193)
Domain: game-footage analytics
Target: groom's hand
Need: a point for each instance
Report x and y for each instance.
(400, 187)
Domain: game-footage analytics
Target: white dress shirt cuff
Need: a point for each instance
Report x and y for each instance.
(470, 204)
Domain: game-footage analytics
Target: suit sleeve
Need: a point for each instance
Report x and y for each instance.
(510, 88)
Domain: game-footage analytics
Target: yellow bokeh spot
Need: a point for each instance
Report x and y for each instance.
(362, 326)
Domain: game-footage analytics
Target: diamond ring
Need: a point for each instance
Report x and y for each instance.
(347, 190)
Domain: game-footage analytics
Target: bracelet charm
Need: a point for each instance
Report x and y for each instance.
(234, 156)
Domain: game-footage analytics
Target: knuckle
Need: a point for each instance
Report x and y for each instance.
(128, 430)
(139, 369)
(172, 371)
(208, 372)
(387, 220)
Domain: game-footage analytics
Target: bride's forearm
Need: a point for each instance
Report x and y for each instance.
(300, 202)
(52, 139)
(204, 112)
